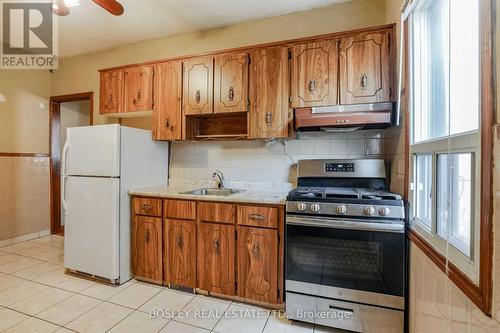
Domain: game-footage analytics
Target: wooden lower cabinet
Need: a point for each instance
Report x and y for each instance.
(147, 248)
(180, 252)
(216, 259)
(258, 264)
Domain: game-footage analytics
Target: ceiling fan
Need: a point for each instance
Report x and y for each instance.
(62, 7)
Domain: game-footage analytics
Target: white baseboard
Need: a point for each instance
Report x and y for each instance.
(24, 238)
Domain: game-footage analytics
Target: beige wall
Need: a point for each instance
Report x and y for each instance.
(351, 15)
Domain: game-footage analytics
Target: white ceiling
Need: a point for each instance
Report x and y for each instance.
(90, 28)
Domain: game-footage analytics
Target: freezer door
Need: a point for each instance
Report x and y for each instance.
(91, 231)
(92, 151)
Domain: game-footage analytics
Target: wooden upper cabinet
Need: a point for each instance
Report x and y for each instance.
(198, 85)
(180, 252)
(231, 82)
(167, 112)
(216, 262)
(111, 92)
(314, 74)
(147, 248)
(138, 88)
(268, 91)
(258, 264)
(365, 66)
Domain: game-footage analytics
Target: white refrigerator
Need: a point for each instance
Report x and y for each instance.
(100, 164)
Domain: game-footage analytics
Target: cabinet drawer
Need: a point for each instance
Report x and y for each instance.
(180, 209)
(216, 212)
(258, 216)
(148, 207)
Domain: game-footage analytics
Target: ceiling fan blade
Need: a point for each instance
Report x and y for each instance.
(59, 8)
(112, 6)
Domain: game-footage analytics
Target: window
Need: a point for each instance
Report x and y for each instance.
(444, 76)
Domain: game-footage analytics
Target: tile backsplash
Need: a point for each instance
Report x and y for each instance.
(274, 162)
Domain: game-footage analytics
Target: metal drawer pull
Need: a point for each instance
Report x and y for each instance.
(269, 118)
(178, 241)
(198, 96)
(340, 309)
(231, 94)
(147, 236)
(364, 81)
(146, 207)
(217, 246)
(256, 217)
(167, 122)
(256, 251)
(312, 86)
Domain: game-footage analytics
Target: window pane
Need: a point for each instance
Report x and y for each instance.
(423, 190)
(431, 56)
(464, 65)
(454, 199)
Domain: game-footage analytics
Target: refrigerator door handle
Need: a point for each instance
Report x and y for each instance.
(63, 157)
(63, 195)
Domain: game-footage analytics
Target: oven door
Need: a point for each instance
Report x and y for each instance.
(347, 259)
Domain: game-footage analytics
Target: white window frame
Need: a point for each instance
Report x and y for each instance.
(469, 142)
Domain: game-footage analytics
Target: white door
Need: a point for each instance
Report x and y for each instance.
(91, 231)
(92, 151)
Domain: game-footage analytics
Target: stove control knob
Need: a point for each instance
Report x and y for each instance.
(315, 207)
(369, 210)
(301, 206)
(384, 211)
(341, 209)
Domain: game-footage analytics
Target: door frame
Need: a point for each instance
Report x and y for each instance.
(55, 153)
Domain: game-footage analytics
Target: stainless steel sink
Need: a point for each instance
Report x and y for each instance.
(213, 191)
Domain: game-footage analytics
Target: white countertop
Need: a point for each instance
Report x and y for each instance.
(247, 196)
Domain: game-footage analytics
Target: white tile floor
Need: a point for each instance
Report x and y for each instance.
(37, 296)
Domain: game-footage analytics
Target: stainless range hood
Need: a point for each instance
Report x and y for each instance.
(344, 117)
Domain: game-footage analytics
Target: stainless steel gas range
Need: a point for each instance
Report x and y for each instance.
(345, 247)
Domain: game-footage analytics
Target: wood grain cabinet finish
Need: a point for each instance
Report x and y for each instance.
(180, 209)
(147, 206)
(231, 82)
(111, 89)
(314, 74)
(147, 248)
(138, 94)
(198, 85)
(167, 111)
(258, 264)
(216, 212)
(268, 93)
(365, 64)
(258, 216)
(216, 258)
(180, 252)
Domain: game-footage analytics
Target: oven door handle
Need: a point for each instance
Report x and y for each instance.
(344, 224)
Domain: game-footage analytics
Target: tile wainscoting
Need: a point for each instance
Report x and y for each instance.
(24, 195)
(273, 162)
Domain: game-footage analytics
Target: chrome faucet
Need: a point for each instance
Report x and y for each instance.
(218, 174)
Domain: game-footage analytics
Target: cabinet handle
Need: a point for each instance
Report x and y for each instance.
(167, 122)
(139, 95)
(269, 118)
(198, 96)
(364, 81)
(231, 94)
(178, 241)
(257, 217)
(312, 86)
(147, 236)
(217, 246)
(256, 251)
(110, 99)
(146, 207)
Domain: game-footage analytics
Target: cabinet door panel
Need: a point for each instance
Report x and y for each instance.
(181, 252)
(269, 87)
(198, 85)
(258, 264)
(231, 83)
(147, 248)
(364, 68)
(216, 265)
(111, 92)
(314, 74)
(138, 88)
(167, 112)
